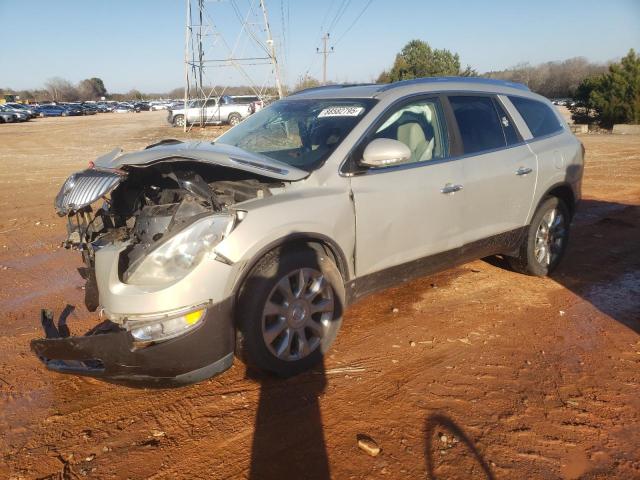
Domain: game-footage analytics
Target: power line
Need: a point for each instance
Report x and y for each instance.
(326, 16)
(336, 19)
(354, 22)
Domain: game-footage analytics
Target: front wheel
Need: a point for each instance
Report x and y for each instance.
(546, 240)
(289, 311)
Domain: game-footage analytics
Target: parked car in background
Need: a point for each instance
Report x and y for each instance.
(255, 102)
(123, 108)
(22, 108)
(88, 109)
(8, 117)
(21, 115)
(73, 109)
(159, 105)
(210, 111)
(141, 106)
(57, 111)
(202, 249)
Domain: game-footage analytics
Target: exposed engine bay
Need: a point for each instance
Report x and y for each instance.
(145, 206)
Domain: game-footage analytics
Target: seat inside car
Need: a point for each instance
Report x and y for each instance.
(414, 129)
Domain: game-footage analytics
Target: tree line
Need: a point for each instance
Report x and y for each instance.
(551, 79)
(605, 94)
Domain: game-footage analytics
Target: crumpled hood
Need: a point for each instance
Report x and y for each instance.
(207, 152)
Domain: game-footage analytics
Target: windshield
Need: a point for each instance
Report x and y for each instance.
(301, 133)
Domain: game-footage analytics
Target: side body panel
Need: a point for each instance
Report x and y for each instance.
(304, 209)
(497, 198)
(402, 215)
(560, 163)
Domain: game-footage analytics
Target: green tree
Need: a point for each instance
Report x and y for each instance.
(135, 94)
(92, 89)
(613, 97)
(305, 82)
(417, 59)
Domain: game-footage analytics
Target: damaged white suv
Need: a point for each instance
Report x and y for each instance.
(254, 244)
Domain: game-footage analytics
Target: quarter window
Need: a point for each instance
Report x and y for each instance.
(420, 127)
(478, 122)
(510, 133)
(539, 117)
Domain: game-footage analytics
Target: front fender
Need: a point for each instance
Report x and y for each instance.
(316, 213)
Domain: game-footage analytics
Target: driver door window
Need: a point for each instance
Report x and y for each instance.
(420, 126)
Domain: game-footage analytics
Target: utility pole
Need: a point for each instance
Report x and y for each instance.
(186, 63)
(272, 49)
(324, 53)
(206, 51)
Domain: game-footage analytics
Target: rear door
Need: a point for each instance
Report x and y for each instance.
(543, 130)
(499, 169)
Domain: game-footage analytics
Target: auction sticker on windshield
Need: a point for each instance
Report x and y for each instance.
(341, 112)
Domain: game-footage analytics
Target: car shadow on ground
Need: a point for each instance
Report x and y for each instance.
(602, 262)
(602, 266)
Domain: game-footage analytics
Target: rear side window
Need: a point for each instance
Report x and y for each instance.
(511, 135)
(478, 122)
(539, 117)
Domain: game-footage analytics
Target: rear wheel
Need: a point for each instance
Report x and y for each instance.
(234, 119)
(546, 240)
(289, 310)
(178, 121)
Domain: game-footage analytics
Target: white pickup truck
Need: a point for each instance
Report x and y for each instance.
(209, 111)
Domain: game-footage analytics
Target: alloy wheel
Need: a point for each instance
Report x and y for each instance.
(550, 237)
(297, 314)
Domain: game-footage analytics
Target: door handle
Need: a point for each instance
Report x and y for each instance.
(524, 171)
(450, 188)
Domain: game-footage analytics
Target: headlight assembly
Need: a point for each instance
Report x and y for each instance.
(177, 256)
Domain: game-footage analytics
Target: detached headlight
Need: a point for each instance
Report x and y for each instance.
(177, 256)
(160, 330)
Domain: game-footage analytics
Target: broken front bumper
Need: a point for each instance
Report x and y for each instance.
(111, 354)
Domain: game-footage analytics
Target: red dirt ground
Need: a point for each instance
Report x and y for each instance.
(478, 372)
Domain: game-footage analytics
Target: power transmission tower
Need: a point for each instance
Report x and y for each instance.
(207, 52)
(324, 53)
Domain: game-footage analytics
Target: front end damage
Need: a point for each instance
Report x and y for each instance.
(147, 225)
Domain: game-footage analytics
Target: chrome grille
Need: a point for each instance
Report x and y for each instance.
(84, 188)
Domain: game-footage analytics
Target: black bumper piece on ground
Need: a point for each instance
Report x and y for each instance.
(108, 352)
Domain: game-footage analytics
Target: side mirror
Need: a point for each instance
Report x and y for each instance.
(384, 152)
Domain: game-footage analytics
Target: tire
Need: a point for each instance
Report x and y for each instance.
(178, 121)
(543, 247)
(274, 325)
(234, 119)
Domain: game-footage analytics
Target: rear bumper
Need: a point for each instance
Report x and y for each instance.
(110, 354)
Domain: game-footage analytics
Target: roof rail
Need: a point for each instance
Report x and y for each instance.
(330, 87)
(483, 80)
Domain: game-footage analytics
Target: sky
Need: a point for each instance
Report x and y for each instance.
(140, 43)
